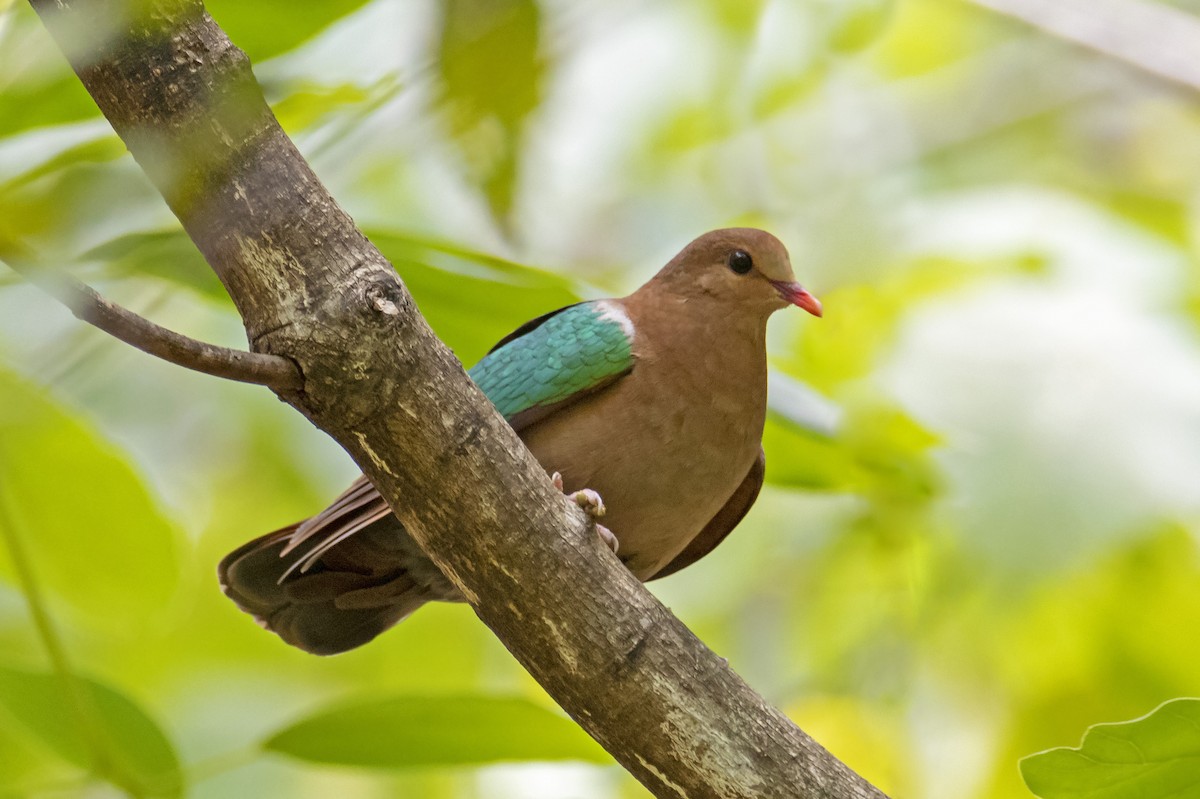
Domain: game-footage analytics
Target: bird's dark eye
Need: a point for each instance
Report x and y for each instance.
(740, 261)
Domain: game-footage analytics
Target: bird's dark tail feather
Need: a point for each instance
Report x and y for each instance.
(354, 592)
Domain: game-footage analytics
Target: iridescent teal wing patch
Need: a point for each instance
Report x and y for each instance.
(568, 355)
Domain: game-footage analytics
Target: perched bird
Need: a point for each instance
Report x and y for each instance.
(643, 400)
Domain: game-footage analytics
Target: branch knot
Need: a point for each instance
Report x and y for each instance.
(386, 296)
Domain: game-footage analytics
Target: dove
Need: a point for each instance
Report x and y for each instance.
(649, 408)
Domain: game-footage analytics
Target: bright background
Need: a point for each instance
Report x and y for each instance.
(979, 534)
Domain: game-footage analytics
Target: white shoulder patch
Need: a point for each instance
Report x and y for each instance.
(614, 313)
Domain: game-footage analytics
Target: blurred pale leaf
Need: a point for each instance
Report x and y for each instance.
(1157, 755)
(735, 17)
(415, 731)
(265, 28)
(140, 757)
(800, 405)
(100, 150)
(928, 34)
(688, 127)
(778, 94)
(97, 537)
(859, 23)
(491, 72)
(1167, 217)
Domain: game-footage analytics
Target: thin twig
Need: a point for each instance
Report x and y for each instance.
(87, 305)
(1151, 36)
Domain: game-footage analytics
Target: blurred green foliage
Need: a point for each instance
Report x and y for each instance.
(111, 524)
(491, 76)
(978, 537)
(120, 744)
(411, 731)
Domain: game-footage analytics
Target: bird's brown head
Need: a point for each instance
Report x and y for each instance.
(742, 266)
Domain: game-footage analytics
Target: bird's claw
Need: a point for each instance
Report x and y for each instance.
(608, 537)
(590, 501)
(591, 504)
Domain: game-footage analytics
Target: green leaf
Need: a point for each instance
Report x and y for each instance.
(799, 458)
(166, 254)
(95, 534)
(35, 104)
(422, 731)
(37, 86)
(877, 451)
(1157, 755)
(308, 103)
(137, 755)
(491, 74)
(266, 28)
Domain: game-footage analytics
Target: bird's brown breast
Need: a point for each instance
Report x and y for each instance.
(667, 445)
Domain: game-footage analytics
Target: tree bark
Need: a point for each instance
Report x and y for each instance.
(311, 288)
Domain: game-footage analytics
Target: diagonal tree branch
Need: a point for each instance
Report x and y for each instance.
(310, 287)
(87, 305)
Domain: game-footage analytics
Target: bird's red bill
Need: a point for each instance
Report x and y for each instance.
(798, 296)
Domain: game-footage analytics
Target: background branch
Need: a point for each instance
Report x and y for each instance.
(309, 286)
(89, 306)
(1151, 36)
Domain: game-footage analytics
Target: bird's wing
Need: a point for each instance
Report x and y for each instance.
(723, 523)
(544, 365)
(529, 326)
(556, 360)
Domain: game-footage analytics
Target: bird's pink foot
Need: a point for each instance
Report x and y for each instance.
(590, 501)
(593, 506)
(608, 537)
